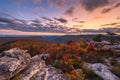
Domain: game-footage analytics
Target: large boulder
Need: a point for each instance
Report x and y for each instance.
(50, 73)
(34, 67)
(101, 70)
(12, 62)
(38, 70)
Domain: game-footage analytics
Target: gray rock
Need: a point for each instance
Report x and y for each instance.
(16, 61)
(101, 70)
(50, 73)
(38, 70)
(118, 60)
(35, 66)
(12, 62)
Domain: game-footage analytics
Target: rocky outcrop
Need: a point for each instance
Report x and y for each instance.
(115, 47)
(101, 70)
(37, 70)
(50, 73)
(12, 62)
(118, 60)
(16, 61)
(34, 67)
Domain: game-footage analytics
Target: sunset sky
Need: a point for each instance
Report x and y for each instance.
(59, 16)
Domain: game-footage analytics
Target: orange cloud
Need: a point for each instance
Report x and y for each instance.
(98, 17)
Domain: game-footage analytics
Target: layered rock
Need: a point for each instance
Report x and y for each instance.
(101, 70)
(37, 70)
(12, 62)
(50, 73)
(16, 61)
(34, 67)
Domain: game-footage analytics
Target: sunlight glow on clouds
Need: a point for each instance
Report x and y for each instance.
(60, 16)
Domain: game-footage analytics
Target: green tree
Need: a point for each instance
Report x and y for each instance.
(112, 40)
(97, 38)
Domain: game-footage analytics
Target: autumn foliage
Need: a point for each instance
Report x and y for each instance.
(67, 57)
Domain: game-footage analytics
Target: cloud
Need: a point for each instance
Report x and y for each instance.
(78, 21)
(102, 30)
(46, 18)
(36, 1)
(106, 10)
(117, 5)
(81, 21)
(91, 5)
(118, 18)
(98, 17)
(37, 9)
(4, 15)
(36, 25)
(5, 20)
(70, 11)
(111, 24)
(36, 21)
(62, 20)
(56, 3)
(111, 29)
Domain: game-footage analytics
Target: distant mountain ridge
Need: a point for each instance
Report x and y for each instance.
(55, 39)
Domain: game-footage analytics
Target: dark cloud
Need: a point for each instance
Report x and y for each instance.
(35, 25)
(5, 20)
(36, 21)
(77, 20)
(4, 15)
(79, 26)
(90, 5)
(81, 21)
(117, 5)
(62, 20)
(70, 11)
(111, 29)
(102, 30)
(105, 10)
(111, 24)
(46, 18)
(74, 19)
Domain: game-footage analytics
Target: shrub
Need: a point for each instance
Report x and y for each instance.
(89, 73)
(116, 70)
(113, 61)
(98, 38)
(17, 77)
(76, 75)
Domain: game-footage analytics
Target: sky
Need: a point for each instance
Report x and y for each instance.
(59, 16)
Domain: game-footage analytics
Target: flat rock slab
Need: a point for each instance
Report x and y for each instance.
(102, 71)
